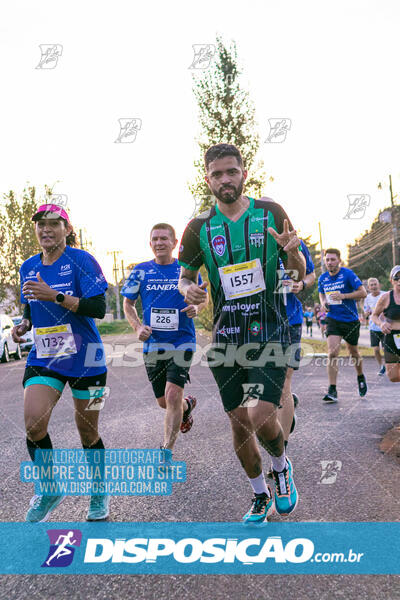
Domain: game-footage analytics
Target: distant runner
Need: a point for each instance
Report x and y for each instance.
(376, 334)
(339, 288)
(387, 316)
(308, 316)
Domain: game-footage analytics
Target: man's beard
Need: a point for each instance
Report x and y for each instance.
(233, 195)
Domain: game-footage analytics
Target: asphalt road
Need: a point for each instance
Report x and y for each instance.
(366, 488)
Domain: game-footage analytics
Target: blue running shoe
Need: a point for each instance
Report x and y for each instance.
(99, 508)
(286, 496)
(262, 506)
(382, 370)
(41, 507)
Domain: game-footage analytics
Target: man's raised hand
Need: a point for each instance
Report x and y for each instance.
(287, 239)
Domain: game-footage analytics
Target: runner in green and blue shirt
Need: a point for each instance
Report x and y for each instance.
(240, 240)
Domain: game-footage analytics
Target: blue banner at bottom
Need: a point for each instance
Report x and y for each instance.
(200, 548)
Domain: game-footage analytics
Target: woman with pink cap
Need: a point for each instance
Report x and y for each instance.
(63, 290)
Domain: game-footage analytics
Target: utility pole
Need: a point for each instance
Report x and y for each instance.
(322, 250)
(394, 225)
(123, 278)
(81, 239)
(391, 217)
(115, 271)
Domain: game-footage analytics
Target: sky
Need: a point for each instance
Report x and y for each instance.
(330, 68)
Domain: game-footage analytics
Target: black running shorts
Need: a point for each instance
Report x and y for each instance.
(376, 338)
(172, 366)
(349, 331)
(83, 388)
(245, 385)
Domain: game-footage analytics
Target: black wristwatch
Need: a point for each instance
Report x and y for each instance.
(304, 284)
(59, 298)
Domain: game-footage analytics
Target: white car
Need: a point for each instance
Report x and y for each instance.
(7, 344)
(28, 336)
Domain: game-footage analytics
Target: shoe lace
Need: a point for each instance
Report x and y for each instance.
(36, 501)
(282, 482)
(259, 503)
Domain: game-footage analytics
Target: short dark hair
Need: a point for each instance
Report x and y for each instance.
(332, 251)
(221, 150)
(164, 226)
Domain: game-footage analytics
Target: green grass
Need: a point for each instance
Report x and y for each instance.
(114, 328)
(320, 347)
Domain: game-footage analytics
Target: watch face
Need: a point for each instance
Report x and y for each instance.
(60, 297)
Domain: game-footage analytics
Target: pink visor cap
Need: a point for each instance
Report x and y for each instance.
(50, 211)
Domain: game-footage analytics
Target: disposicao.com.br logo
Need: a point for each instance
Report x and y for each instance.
(202, 548)
(212, 550)
(62, 547)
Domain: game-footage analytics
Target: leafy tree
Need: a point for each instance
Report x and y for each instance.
(18, 240)
(371, 254)
(226, 115)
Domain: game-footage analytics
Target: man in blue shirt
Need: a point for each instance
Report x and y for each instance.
(167, 331)
(308, 315)
(294, 311)
(339, 288)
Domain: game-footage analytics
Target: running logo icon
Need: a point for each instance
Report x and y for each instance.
(199, 201)
(285, 280)
(278, 129)
(330, 470)
(358, 204)
(62, 547)
(128, 130)
(98, 397)
(50, 55)
(60, 200)
(219, 244)
(203, 54)
(251, 394)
